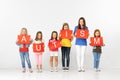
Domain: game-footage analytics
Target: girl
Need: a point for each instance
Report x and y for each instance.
(65, 49)
(38, 56)
(97, 51)
(80, 45)
(24, 52)
(53, 52)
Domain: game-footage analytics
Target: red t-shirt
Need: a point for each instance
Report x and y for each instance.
(24, 49)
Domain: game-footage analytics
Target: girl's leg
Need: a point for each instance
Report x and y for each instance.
(56, 63)
(28, 61)
(51, 63)
(78, 56)
(98, 59)
(37, 61)
(63, 56)
(22, 57)
(95, 60)
(68, 56)
(82, 56)
(40, 62)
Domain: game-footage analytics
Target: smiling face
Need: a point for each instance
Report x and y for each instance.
(81, 23)
(39, 36)
(24, 32)
(65, 27)
(97, 33)
(54, 35)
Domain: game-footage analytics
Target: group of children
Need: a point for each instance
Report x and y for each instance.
(65, 49)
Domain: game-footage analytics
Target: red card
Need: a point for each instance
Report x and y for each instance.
(24, 39)
(54, 45)
(38, 47)
(96, 41)
(82, 33)
(66, 34)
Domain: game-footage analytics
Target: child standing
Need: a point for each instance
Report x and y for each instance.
(65, 49)
(53, 52)
(97, 50)
(38, 55)
(80, 45)
(24, 52)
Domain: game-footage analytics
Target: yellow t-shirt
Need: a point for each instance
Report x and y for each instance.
(66, 43)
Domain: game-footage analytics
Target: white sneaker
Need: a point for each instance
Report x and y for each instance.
(56, 69)
(63, 69)
(79, 70)
(51, 69)
(83, 70)
(24, 70)
(98, 70)
(67, 69)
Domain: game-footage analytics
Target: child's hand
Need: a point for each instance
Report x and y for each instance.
(103, 44)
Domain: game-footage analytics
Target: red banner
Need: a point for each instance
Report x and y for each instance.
(38, 47)
(24, 39)
(54, 45)
(82, 33)
(66, 34)
(96, 41)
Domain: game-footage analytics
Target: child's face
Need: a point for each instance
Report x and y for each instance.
(39, 36)
(54, 35)
(81, 22)
(65, 27)
(23, 32)
(97, 34)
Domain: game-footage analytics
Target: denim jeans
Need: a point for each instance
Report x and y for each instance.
(25, 56)
(65, 56)
(96, 59)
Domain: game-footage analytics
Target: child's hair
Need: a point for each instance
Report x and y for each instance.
(25, 30)
(97, 30)
(84, 26)
(36, 38)
(65, 24)
(52, 35)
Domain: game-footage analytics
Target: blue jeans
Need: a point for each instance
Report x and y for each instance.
(65, 56)
(25, 56)
(96, 59)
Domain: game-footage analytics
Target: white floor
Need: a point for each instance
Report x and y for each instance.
(105, 74)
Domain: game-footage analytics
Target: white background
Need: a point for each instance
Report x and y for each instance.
(49, 15)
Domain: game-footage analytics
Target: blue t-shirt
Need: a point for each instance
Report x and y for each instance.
(80, 41)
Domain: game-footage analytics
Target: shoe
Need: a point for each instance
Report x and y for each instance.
(37, 69)
(40, 70)
(56, 69)
(51, 69)
(30, 70)
(63, 69)
(24, 70)
(79, 70)
(98, 70)
(83, 70)
(67, 69)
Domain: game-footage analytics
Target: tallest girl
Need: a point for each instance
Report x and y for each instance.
(80, 45)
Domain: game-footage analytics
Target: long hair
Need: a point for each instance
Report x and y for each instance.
(84, 25)
(25, 30)
(52, 35)
(36, 38)
(97, 30)
(65, 24)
